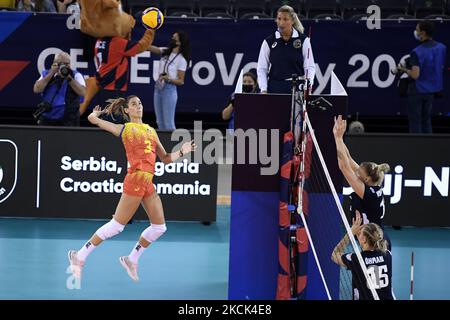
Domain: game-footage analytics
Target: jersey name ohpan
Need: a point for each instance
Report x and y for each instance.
(374, 260)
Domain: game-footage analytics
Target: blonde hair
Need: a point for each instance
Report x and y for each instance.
(376, 171)
(297, 24)
(374, 236)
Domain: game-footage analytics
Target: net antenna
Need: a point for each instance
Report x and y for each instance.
(411, 288)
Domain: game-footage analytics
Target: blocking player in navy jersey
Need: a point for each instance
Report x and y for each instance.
(365, 179)
(376, 257)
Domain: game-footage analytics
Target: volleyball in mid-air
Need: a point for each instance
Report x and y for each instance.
(152, 18)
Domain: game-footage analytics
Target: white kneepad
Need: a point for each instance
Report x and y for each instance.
(153, 232)
(110, 229)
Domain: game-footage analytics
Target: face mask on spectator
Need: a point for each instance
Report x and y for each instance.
(247, 88)
(172, 43)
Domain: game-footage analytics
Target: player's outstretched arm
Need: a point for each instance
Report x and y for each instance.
(353, 164)
(113, 128)
(344, 162)
(171, 157)
(338, 251)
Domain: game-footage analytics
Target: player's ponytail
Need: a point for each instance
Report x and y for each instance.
(380, 170)
(376, 171)
(384, 168)
(296, 21)
(381, 245)
(116, 108)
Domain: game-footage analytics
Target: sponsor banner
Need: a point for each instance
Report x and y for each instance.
(8, 168)
(416, 189)
(78, 173)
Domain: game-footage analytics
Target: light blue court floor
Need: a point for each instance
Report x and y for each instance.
(189, 262)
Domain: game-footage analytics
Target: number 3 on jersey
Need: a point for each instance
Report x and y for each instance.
(148, 148)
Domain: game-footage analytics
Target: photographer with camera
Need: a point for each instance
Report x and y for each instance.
(425, 67)
(172, 69)
(62, 89)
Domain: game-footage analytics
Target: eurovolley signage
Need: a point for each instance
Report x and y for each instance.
(364, 68)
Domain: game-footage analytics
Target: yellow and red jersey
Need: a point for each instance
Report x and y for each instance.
(140, 141)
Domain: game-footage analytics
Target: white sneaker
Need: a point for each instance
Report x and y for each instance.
(130, 267)
(76, 265)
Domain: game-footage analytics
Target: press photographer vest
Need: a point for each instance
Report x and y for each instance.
(65, 102)
(431, 56)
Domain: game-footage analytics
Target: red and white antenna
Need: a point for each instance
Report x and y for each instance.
(411, 289)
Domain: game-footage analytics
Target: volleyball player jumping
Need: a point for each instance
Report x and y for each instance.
(365, 179)
(142, 145)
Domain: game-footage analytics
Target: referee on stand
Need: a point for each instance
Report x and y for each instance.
(284, 53)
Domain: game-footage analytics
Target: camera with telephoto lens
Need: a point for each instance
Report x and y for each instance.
(44, 106)
(405, 62)
(403, 79)
(64, 70)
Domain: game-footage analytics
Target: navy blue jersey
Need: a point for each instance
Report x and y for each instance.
(286, 57)
(371, 206)
(379, 268)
